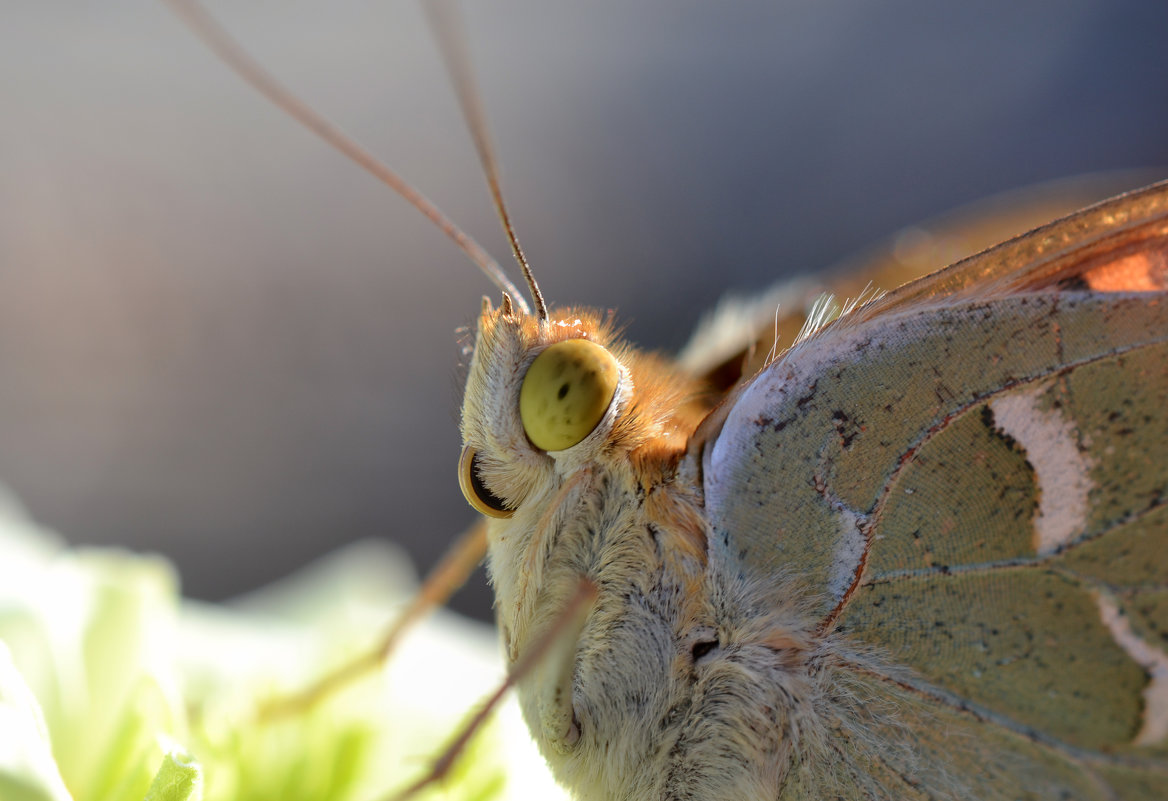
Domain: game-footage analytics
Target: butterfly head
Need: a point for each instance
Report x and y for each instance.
(545, 398)
(540, 393)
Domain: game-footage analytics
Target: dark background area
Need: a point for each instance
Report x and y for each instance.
(221, 341)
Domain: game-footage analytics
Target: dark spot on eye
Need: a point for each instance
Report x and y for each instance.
(702, 648)
(563, 393)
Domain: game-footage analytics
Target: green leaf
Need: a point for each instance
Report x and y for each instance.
(180, 778)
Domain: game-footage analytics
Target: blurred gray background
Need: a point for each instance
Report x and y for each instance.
(221, 341)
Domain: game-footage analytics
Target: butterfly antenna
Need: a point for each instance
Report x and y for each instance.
(448, 31)
(220, 42)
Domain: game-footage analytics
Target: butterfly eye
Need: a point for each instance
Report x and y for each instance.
(477, 493)
(566, 392)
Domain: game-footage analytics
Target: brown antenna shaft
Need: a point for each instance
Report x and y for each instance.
(231, 53)
(447, 27)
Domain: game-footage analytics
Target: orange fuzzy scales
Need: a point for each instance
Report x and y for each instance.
(1142, 271)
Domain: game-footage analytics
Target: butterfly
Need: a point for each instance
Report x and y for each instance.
(919, 554)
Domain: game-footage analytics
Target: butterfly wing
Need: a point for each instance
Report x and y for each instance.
(970, 476)
(741, 334)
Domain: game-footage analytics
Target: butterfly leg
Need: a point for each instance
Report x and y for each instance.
(448, 575)
(553, 650)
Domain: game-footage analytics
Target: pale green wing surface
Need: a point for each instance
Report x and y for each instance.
(899, 745)
(975, 488)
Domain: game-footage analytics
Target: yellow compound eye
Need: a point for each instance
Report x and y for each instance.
(566, 392)
(475, 491)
